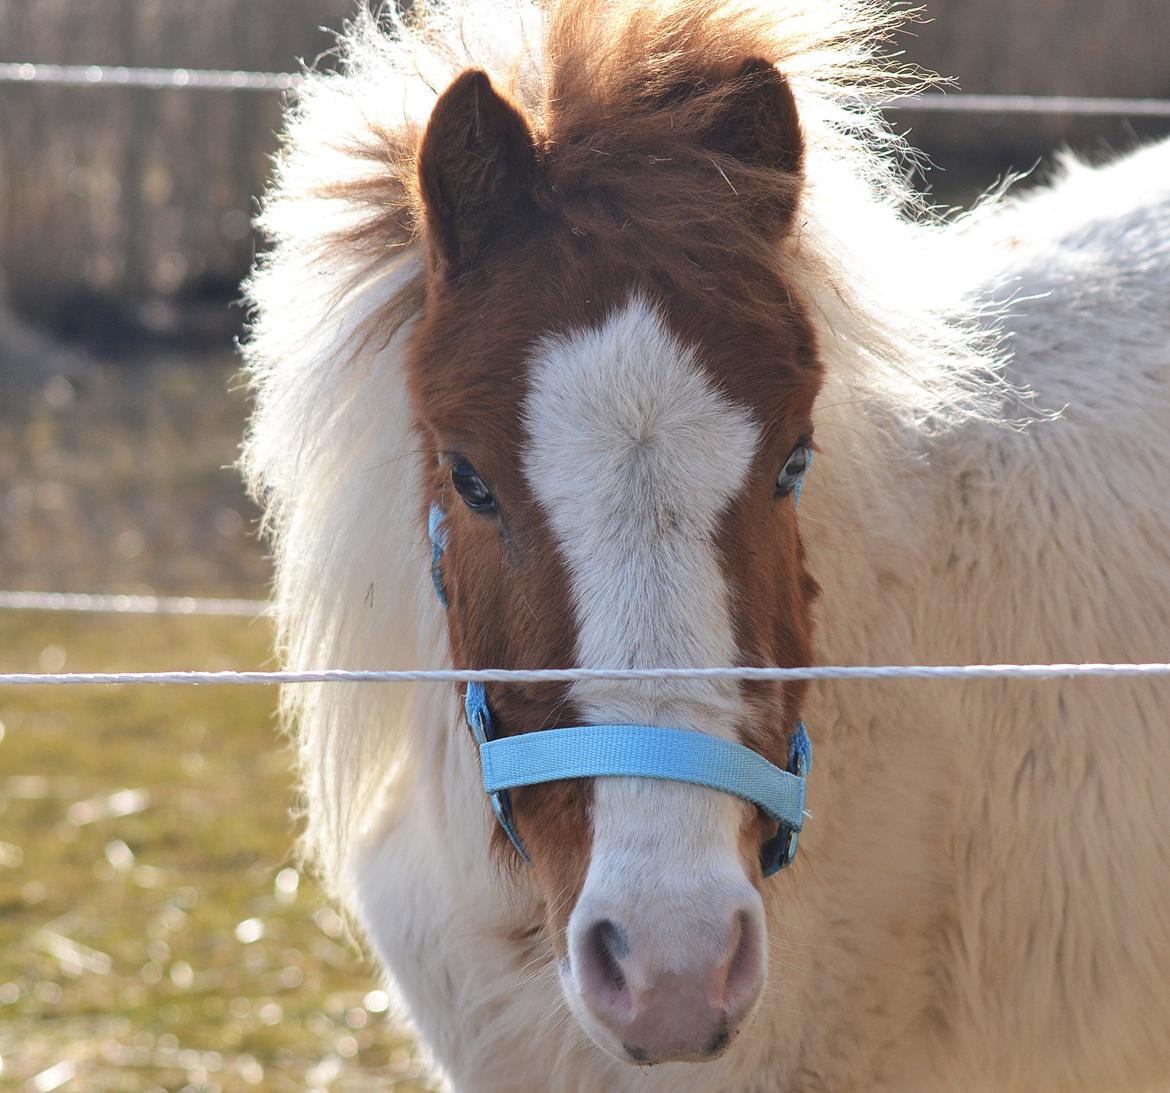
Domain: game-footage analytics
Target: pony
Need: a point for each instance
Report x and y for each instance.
(586, 284)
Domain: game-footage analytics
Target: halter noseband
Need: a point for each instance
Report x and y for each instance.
(632, 751)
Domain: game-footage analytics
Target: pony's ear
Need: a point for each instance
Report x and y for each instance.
(756, 120)
(476, 170)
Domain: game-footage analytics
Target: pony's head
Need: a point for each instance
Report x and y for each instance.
(613, 382)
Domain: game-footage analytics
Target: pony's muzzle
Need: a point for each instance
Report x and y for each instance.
(655, 1008)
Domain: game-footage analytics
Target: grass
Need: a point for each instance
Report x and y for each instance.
(155, 932)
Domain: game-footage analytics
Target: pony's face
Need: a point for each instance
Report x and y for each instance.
(615, 404)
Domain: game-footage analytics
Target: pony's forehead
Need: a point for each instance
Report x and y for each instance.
(477, 361)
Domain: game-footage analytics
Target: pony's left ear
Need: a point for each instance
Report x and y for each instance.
(756, 120)
(476, 171)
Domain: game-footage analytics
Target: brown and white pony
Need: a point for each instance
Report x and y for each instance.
(590, 279)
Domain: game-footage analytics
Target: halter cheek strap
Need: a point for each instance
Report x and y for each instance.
(479, 717)
(632, 751)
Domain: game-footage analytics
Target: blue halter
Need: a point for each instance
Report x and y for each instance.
(632, 751)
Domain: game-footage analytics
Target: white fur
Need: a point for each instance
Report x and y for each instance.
(980, 901)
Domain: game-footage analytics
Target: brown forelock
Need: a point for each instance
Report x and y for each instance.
(634, 190)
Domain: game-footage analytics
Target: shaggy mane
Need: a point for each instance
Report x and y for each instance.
(600, 81)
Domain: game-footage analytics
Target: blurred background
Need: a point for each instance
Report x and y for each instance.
(155, 932)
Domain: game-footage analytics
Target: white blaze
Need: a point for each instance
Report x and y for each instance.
(634, 455)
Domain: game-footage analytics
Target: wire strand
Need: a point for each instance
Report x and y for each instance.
(1072, 105)
(91, 603)
(202, 79)
(154, 79)
(575, 675)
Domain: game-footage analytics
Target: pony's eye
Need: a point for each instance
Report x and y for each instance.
(793, 470)
(471, 487)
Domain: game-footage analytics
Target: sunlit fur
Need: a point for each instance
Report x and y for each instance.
(980, 898)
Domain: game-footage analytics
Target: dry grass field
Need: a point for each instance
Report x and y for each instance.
(155, 932)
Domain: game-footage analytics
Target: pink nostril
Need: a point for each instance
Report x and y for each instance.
(746, 966)
(605, 946)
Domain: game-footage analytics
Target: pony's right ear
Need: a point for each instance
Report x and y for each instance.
(476, 171)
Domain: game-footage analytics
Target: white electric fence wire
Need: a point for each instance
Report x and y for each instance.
(161, 79)
(154, 79)
(1072, 105)
(91, 603)
(574, 675)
